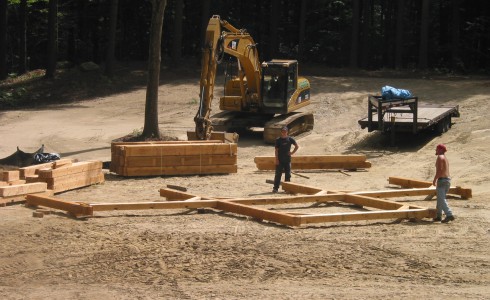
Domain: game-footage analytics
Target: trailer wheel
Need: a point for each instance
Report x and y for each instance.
(447, 123)
(441, 126)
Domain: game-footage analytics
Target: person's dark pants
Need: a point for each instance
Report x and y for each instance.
(282, 166)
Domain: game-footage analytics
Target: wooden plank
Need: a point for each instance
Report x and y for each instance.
(173, 194)
(32, 178)
(22, 198)
(258, 213)
(32, 170)
(175, 160)
(314, 159)
(405, 192)
(408, 182)
(299, 188)
(22, 189)
(17, 182)
(154, 205)
(77, 183)
(465, 193)
(11, 175)
(180, 149)
(77, 167)
(289, 199)
(75, 209)
(66, 162)
(371, 202)
(179, 170)
(369, 215)
(71, 177)
(115, 144)
(319, 166)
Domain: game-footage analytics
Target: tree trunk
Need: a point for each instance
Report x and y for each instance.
(3, 39)
(52, 38)
(22, 39)
(302, 29)
(111, 43)
(399, 34)
(354, 44)
(456, 63)
(154, 59)
(274, 24)
(366, 33)
(206, 4)
(177, 40)
(424, 35)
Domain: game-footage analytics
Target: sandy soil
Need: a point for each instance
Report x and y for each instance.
(179, 254)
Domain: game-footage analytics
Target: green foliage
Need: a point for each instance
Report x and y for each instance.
(12, 97)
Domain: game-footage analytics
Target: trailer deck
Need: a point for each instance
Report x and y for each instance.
(407, 115)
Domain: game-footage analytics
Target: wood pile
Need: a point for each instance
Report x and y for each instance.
(17, 192)
(48, 178)
(173, 158)
(316, 162)
(64, 176)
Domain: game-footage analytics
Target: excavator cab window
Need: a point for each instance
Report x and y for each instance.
(275, 86)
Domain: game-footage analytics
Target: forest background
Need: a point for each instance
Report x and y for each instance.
(440, 35)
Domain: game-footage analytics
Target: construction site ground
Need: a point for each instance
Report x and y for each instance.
(182, 254)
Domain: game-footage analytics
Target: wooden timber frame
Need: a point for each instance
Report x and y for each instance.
(178, 199)
(316, 162)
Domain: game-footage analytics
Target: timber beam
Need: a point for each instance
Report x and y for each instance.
(465, 193)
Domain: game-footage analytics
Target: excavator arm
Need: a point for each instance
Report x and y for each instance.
(221, 37)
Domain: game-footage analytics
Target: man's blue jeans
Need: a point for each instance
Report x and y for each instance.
(286, 166)
(443, 185)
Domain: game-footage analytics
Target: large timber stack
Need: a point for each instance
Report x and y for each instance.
(173, 158)
(68, 176)
(48, 178)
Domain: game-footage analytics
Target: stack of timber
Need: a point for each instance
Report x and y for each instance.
(173, 158)
(312, 162)
(14, 193)
(68, 176)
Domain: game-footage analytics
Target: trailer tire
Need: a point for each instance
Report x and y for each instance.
(441, 126)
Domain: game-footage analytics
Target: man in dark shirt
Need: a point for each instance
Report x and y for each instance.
(283, 157)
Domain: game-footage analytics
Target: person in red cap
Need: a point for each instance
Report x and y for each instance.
(442, 182)
(283, 157)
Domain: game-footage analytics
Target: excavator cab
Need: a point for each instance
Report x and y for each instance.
(279, 82)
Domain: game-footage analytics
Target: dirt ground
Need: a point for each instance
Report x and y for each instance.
(180, 254)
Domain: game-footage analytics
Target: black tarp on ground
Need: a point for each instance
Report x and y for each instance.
(20, 158)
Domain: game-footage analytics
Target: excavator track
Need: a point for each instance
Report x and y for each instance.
(297, 122)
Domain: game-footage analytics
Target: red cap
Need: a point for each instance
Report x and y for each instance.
(441, 147)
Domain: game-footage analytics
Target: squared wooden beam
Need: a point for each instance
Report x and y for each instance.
(73, 208)
(258, 213)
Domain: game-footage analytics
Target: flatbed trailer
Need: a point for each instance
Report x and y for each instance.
(407, 115)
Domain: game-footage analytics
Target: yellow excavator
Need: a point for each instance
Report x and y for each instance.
(256, 95)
